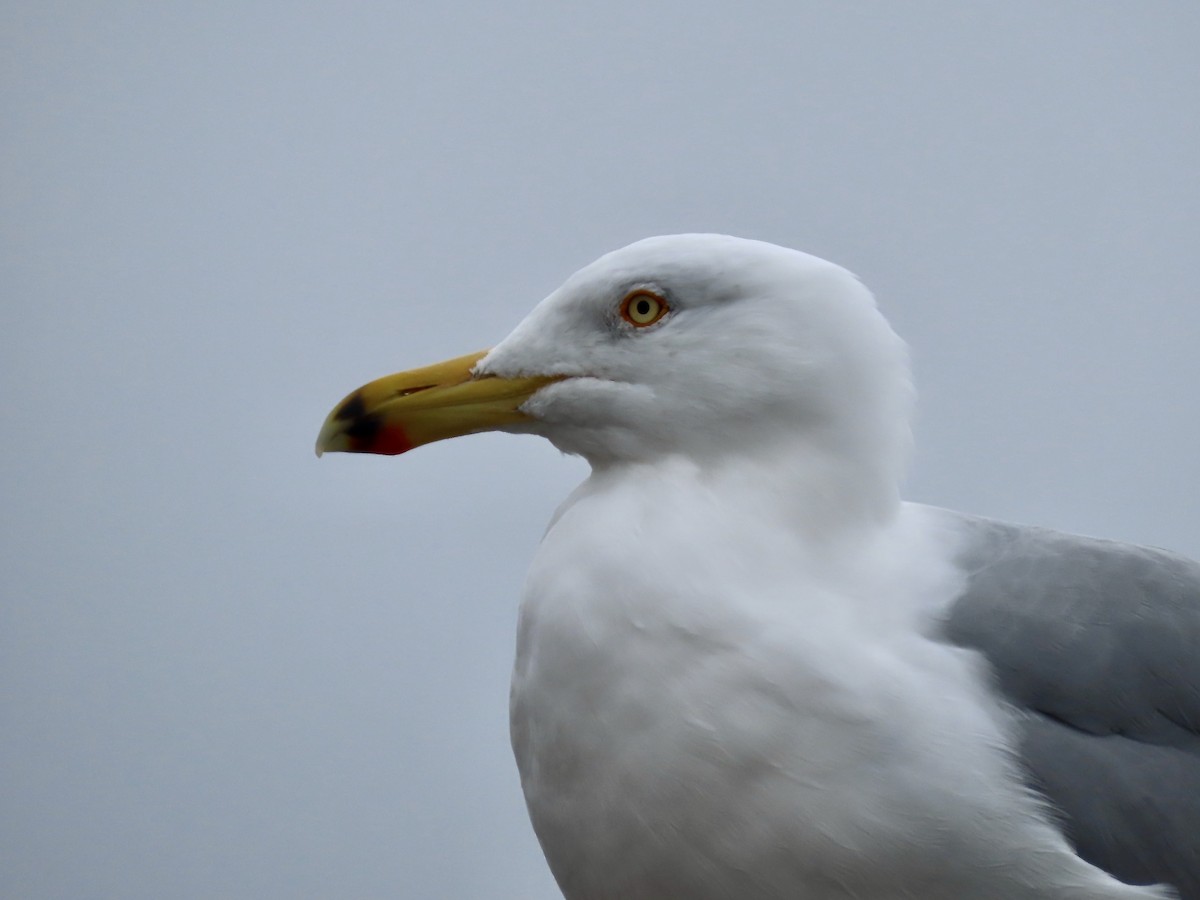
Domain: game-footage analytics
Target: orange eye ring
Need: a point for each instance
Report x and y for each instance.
(643, 308)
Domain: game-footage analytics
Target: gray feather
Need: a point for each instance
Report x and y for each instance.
(1099, 643)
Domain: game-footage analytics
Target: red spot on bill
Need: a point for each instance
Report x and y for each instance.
(389, 440)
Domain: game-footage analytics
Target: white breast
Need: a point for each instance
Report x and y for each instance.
(702, 708)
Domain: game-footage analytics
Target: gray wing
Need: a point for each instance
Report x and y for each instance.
(1100, 643)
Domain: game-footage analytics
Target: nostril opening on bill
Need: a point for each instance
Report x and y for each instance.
(414, 390)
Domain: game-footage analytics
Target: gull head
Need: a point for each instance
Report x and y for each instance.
(706, 346)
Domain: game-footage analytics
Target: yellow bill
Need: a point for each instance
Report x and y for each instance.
(398, 412)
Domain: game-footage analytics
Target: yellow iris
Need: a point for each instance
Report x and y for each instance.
(642, 308)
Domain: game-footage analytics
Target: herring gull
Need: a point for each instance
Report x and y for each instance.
(746, 669)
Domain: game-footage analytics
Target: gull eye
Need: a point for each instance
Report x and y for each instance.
(642, 308)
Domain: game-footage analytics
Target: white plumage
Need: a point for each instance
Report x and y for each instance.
(724, 685)
(730, 681)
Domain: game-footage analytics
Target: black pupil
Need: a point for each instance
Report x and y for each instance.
(643, 307)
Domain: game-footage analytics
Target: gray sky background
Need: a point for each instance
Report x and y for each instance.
(230, 670)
